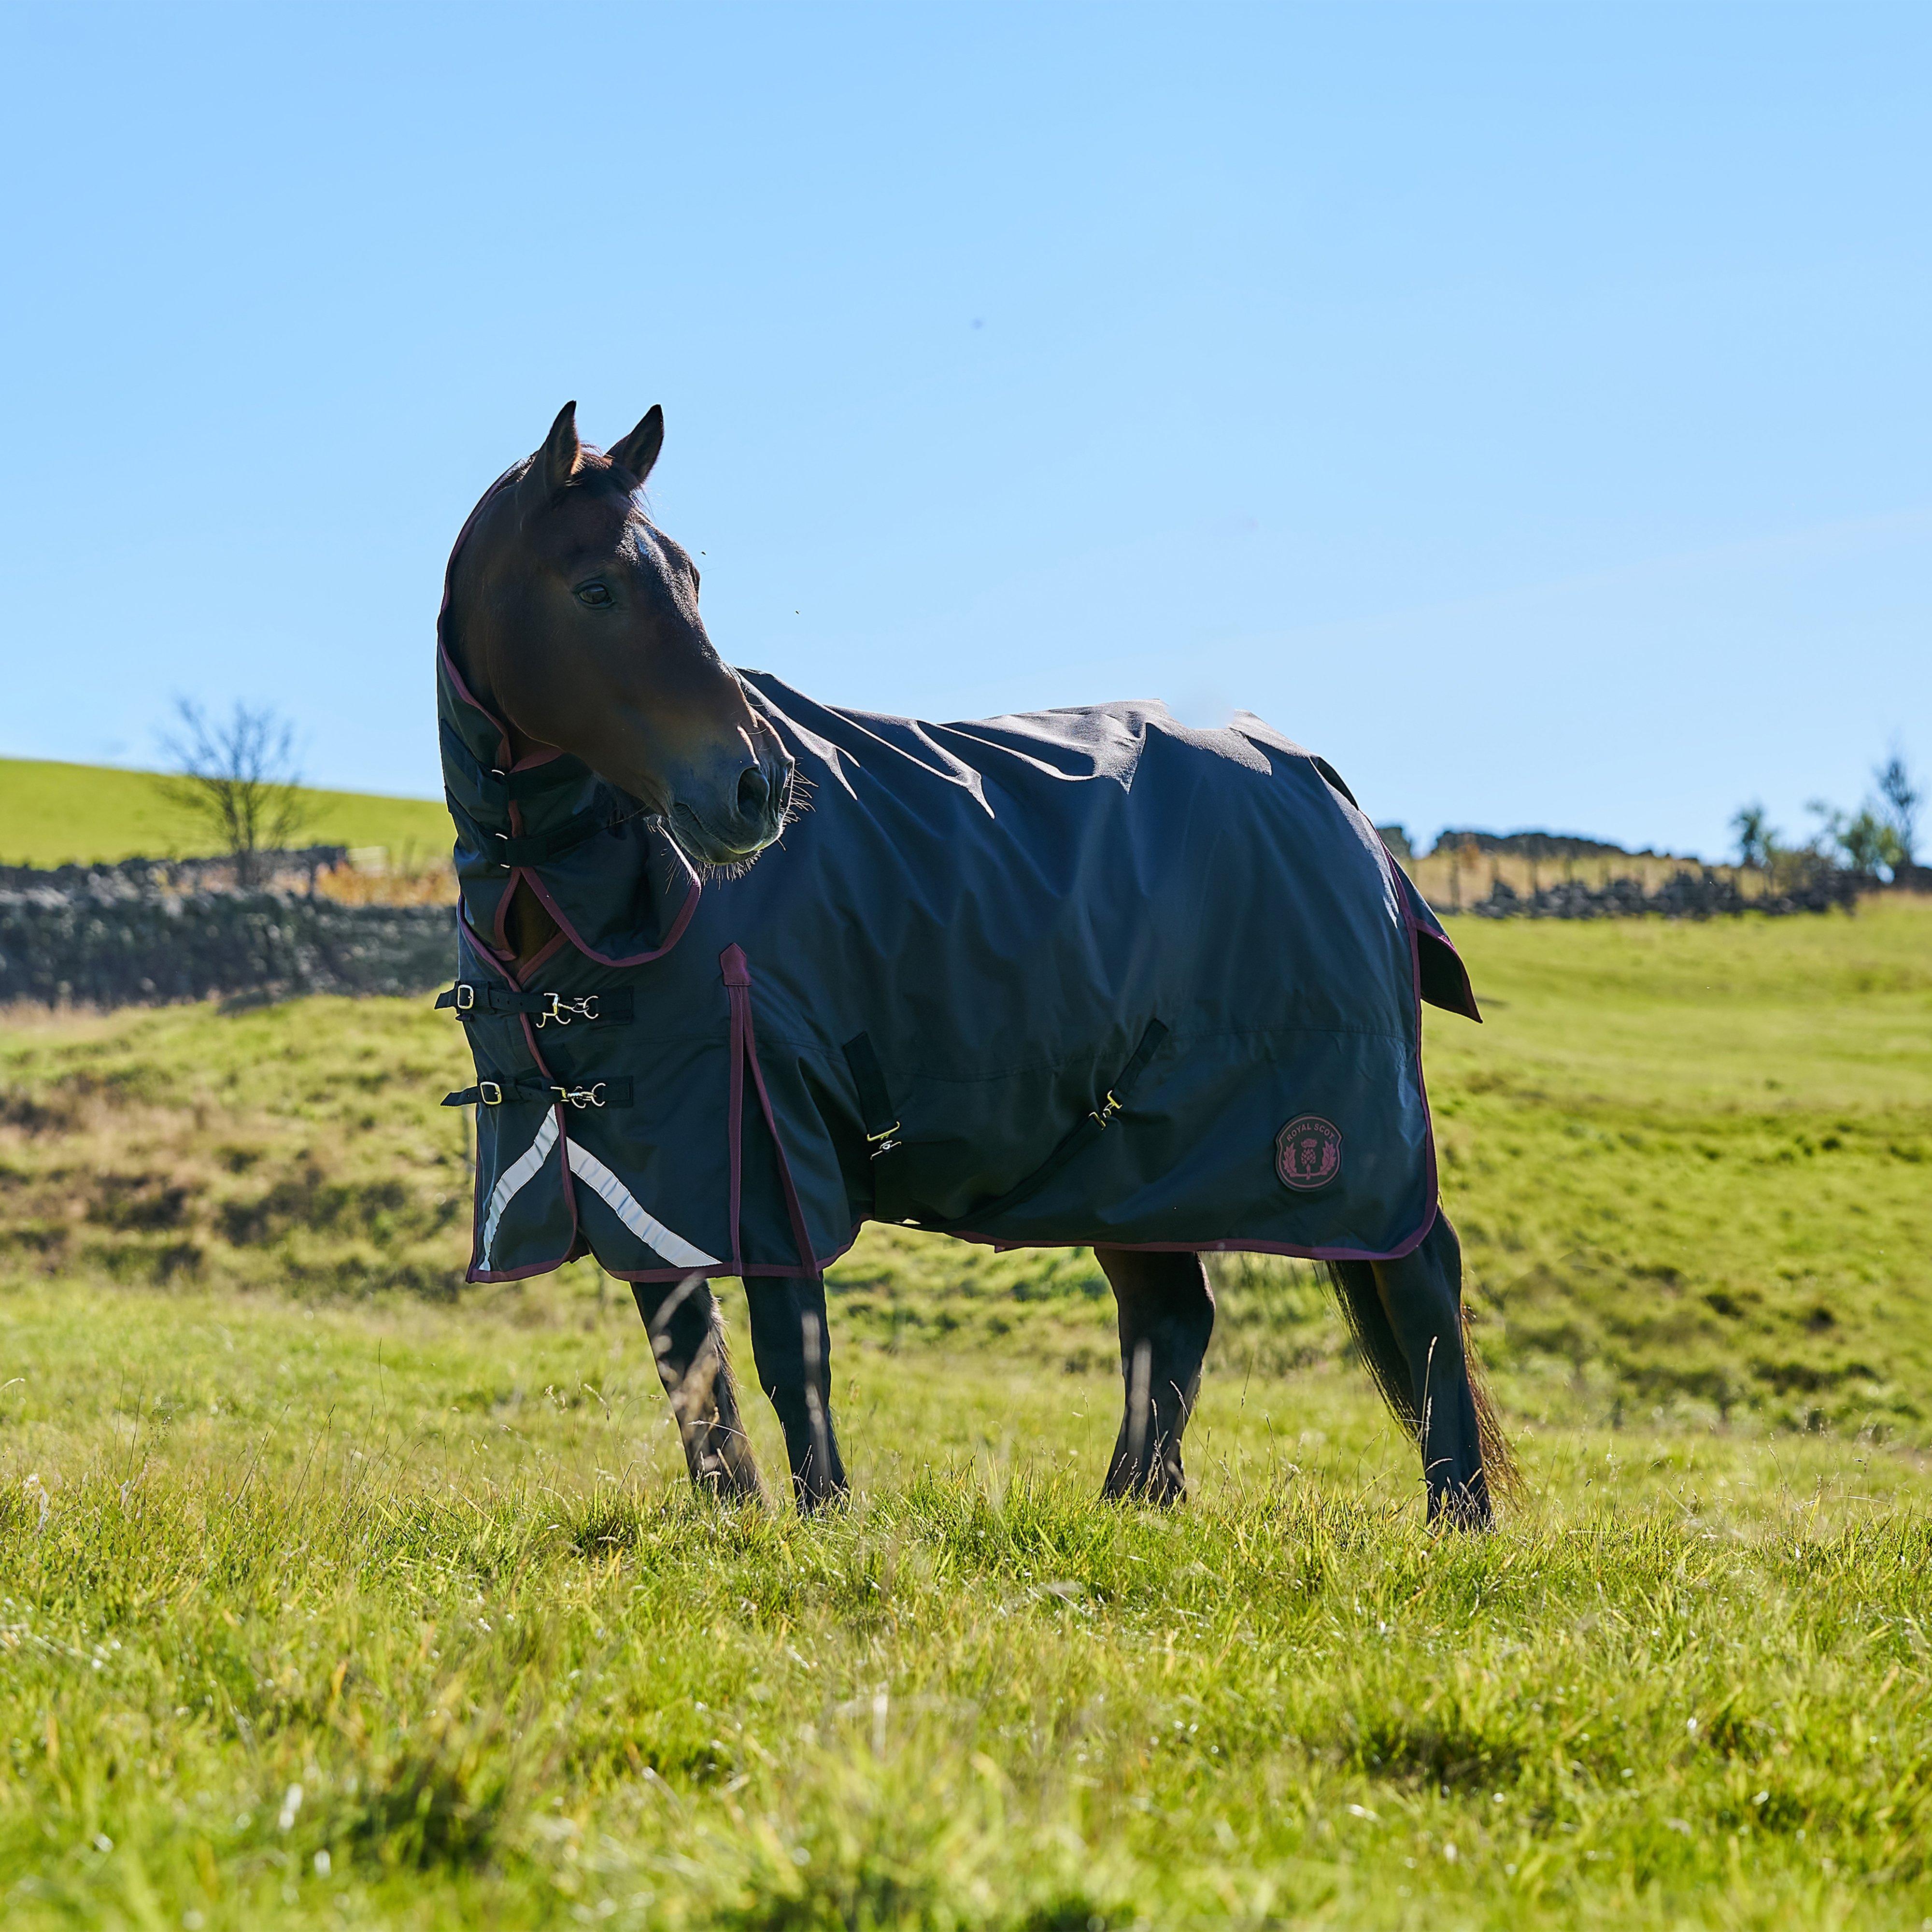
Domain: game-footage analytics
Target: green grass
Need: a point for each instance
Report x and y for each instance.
(1692, 1164)
(280, 1507)
(58, 814)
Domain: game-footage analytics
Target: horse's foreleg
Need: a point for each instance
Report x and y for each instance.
(1422, 1296)
(1167, 1315)
(688, 1341)
(792, 1346)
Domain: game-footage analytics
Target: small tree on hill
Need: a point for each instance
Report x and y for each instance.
(1757, 838)
(1902, 799)
(239, 777)
(1863, 842)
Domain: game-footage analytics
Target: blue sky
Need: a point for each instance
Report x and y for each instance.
(1529, 408)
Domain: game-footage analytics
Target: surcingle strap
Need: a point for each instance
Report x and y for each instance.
(875, 1098)
(611, 1007)
(1085, 1131)
(534, 1090)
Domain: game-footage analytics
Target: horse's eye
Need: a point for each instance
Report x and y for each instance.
(594, 594)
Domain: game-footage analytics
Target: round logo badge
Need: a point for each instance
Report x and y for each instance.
(1308, 1152)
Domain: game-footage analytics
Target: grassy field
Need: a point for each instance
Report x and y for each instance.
(57, 815)
(331, 1594)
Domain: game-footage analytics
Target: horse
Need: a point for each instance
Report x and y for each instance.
(571, 641)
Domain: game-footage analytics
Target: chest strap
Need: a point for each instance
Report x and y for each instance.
(509, 1090)
(472, 1001)
(495, 786)
(502, 848)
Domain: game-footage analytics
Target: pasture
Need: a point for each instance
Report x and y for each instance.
(332, 1593)
(52, 814)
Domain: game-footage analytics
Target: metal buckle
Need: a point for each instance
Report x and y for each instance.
(1106, 1113)
(564, 1011)
(882, 1142)
(465, 997)
(581, 1097)
(489, 1092)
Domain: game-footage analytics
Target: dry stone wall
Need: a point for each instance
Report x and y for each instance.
(128, 936)
(1686, 895)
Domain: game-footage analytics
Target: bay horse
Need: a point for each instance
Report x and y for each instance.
(572, 618)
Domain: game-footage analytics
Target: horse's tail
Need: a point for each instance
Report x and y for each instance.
(1361, 1304)
(1500, 1468)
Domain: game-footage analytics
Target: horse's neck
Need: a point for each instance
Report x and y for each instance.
(475, 676)
(526, 921)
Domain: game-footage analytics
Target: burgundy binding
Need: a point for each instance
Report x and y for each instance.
(736, 973)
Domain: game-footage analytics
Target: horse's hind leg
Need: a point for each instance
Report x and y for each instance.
(1421, 1297)
(792, 1346)
(1167, 1315)
(688, 1341)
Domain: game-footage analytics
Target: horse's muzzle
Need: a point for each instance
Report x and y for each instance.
(749, 818)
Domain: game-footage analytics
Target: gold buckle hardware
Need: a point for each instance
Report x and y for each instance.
(580, 1097)
(564, 1011)
(465, 997)
(1106, 1113)
(489, 1092)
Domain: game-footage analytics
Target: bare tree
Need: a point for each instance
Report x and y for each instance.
(239, 777)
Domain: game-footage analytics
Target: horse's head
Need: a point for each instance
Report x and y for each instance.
(577, 619)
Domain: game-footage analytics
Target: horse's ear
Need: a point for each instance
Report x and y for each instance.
(638, 451)
(556, 462)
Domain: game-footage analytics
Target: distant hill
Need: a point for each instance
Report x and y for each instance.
(1539, 845)
(58, 814)
(1517, 845)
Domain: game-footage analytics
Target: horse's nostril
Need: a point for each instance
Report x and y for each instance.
(755, 792)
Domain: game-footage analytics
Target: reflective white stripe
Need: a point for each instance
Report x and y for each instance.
(647, 1227)
(514, 1178)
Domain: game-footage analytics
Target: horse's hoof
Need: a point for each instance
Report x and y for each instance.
(725, 1486)
(1457, 1508)
(725, 1470)
(816, 1499)
(1161, 1489)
